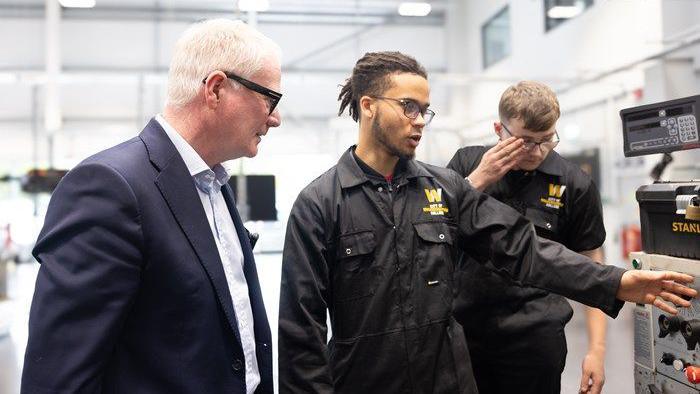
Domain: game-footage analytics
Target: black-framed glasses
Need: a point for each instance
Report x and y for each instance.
(411, 108)
(273, 98)
(528, 145)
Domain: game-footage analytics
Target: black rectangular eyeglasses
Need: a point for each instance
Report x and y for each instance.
(273, 98)
(411, 108)
(548, 145)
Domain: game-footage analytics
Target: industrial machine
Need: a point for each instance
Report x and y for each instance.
(666, 348)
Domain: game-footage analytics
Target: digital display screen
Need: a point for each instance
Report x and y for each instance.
(679, 110)
(645, 126)
(663, 127)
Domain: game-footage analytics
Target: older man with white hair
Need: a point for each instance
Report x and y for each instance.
(147, 280)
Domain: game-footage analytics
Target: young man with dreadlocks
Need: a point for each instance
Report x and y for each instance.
(374, 241)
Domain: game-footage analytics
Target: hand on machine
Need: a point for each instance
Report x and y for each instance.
(655, 287)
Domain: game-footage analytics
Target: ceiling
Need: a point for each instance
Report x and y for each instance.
(282, 11)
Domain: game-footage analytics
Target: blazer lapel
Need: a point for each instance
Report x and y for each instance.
(180, 193)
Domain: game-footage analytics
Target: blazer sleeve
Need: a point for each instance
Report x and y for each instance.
(90, 254)
(304, 294)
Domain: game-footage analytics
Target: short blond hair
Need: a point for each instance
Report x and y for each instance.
(532, 102)
(215, 44)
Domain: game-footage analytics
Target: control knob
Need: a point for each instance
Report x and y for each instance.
(692, 373)
(668, 325)
(691, 332)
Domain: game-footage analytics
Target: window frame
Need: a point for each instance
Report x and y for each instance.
(484, 59)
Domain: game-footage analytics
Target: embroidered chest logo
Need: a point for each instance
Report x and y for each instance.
(435, 205)
(553, 200)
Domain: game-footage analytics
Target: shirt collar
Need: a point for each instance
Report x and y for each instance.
(195, 164)
(552, 164)
(211, 180)
(350, 174)
(199, 170)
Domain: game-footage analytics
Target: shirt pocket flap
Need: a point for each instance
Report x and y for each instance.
(436, 232)
(548, 221)
(356, 244)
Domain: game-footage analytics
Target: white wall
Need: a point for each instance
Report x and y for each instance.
(114, 80)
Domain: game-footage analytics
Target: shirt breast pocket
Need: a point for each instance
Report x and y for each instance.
(546, 223)
(353, 274)
(435, 257)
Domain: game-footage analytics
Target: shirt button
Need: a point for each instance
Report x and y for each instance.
(237, 365)
(380, 189)
(548, 225)
(348, 251)
(441, 236)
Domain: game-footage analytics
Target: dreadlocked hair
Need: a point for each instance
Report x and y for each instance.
(370, 77)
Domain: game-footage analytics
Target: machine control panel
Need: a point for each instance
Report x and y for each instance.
(661, 127)
(670, 351)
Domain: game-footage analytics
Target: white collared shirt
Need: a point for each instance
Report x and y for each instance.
(227, 243)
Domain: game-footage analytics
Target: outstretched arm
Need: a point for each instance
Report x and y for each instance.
(493, 231)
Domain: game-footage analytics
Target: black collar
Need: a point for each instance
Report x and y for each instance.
(552, 164)
(351, 174)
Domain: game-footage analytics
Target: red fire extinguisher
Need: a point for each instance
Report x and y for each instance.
(631, 239)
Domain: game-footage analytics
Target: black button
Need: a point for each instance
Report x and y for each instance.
(237, 365)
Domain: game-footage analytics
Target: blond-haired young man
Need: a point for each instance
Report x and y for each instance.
(515, 332)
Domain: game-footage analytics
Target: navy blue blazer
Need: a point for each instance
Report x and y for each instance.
(131, 296)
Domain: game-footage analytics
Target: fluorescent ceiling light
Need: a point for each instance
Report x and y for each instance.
(414, 9)
(8, 78)
(253, 5)
(77, 3)
(564, 11)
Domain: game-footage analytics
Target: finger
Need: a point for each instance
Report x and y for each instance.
(676, 300)
(597, 386)
(506, 148)
(506, 164)
(509, 158)
(677, 277)
(585, 382)
(664, 306)
(679, 289)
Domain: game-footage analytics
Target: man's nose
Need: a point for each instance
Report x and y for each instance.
(274, 119)
(419, 120)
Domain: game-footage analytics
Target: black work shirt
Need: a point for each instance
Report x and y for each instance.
(564, 205)
(380, 258)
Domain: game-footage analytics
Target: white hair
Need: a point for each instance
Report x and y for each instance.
(216, 44)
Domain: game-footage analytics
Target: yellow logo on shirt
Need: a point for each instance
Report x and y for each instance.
(434, 195)
(435, 206)
(556, 190)
(553, 199)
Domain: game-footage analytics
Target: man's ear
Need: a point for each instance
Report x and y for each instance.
(497, 128)
(212, 89)
(366, 106)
